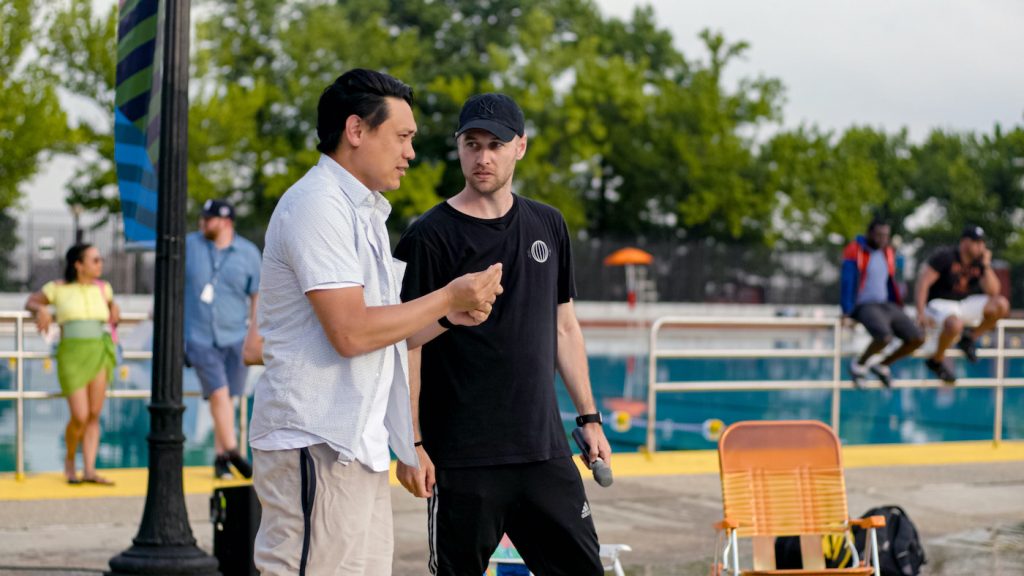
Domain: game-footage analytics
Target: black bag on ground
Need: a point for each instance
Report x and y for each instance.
(235, 512)
(833, 546)
(899, 548)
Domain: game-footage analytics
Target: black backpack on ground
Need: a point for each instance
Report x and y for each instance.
(899, 548)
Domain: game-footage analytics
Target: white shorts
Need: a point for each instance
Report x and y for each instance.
(970, 310)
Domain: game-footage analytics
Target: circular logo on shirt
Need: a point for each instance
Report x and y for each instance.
(539, 251)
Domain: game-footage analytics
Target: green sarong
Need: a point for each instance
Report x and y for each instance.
(79, 360)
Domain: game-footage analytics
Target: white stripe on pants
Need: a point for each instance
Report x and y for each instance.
(351, 525)
(432, 530)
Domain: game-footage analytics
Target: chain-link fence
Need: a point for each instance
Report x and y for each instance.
(696, 271)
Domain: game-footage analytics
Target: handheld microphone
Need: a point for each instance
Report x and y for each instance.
(602, 471)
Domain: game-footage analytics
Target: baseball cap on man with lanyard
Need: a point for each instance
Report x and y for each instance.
(218, 209)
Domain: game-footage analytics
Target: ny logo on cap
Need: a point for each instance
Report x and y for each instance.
(487, 107)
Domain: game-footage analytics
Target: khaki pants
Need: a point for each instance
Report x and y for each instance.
(349, 519)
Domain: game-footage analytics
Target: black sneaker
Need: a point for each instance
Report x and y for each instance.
(969, 345)
(941, 370)
(240, 464)
(884, 374)
(220, 468)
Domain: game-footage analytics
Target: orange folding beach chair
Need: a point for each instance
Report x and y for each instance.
(785, 478)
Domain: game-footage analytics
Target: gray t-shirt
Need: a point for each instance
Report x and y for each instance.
(875, 289)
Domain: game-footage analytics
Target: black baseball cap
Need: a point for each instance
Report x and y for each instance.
(496, 113)
(973, 232)
(218, 209)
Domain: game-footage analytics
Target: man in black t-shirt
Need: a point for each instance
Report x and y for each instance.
(494, 456)
(957, 288)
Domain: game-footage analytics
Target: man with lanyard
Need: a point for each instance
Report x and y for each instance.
(222, 277)
(869, 295)
(487, 407)
(960, 290)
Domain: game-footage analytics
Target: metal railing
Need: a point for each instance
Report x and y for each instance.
(1000, 353)
(19, 395)
(655, 352)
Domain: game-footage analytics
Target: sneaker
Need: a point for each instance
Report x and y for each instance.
(220, 468)
(858, 372)
(969, 346)
(941, 370)
(241, 464)
(884, 373)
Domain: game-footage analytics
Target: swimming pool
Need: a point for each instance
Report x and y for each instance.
(619, 381)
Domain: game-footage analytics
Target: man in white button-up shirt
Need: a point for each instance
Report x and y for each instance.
(335, 392)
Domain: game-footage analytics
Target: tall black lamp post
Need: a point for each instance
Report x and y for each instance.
(164, 544)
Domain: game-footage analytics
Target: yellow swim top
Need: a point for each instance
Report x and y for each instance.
(76, 301)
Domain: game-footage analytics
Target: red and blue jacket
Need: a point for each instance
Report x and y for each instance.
(855, 262)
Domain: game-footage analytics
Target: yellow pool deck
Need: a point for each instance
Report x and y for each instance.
(199, 479)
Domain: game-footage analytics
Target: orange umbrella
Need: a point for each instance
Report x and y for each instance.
(627, 256)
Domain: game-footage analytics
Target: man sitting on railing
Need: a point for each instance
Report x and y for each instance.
(960, 290)
(869, 295)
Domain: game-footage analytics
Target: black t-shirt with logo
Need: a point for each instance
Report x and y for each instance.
(956, 280)
(487, 393)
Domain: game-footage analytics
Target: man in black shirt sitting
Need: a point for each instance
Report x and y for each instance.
(957, 288)
(484, 397)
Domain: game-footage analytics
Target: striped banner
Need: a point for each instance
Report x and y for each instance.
(137, 117)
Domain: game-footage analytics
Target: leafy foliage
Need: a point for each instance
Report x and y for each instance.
(80, 54)
(32, 122)
(628, 136)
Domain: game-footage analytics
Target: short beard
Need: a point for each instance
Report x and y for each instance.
(490, 190)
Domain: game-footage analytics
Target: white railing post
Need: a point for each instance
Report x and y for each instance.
(837, 371)
(997, 425)
(19, 432)
(652, 383)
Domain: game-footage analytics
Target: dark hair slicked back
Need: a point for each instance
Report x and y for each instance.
(361, 92)
(74, 254)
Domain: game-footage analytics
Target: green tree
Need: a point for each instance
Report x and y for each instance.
(1001, 167)
(827, 189)
(80, 53)
(947, 176)
(32, 123)
(259, 68)
(627, 135)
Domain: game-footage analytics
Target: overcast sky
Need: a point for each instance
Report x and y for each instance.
(887, 63)
(921, 64)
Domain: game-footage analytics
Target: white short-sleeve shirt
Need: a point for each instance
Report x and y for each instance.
(328, 231)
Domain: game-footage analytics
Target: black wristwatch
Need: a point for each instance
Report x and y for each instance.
(594, 418)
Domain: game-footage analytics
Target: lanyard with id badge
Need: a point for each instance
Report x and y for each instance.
(209, 291)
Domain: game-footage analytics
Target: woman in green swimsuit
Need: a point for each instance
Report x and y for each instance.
(86, 354)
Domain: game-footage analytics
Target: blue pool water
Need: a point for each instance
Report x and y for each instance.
(868, 416)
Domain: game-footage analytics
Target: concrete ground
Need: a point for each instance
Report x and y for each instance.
(971, 519)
